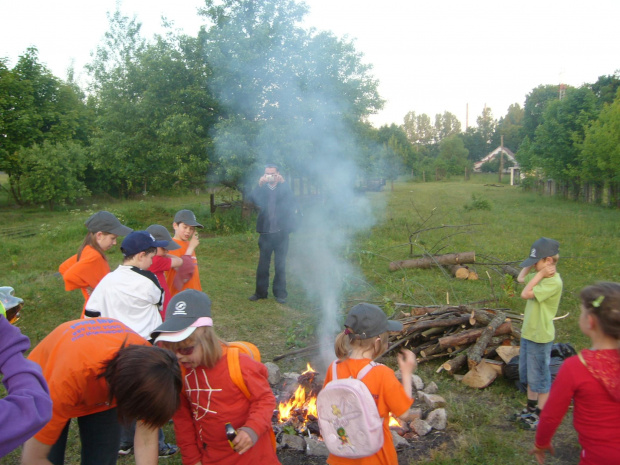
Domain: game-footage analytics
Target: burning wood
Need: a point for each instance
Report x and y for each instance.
(300, 410)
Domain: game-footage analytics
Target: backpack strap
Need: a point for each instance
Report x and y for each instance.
(234, 368)
(363, 372)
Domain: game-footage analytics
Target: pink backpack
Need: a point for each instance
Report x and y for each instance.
(348, 417)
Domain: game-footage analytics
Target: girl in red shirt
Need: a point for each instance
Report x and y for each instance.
(210, 397)
(591, 380)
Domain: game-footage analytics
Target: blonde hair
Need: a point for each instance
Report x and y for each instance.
(346, 341)
(208, 341)
(91, 240)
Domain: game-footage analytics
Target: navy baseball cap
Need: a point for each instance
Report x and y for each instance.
(139, 241)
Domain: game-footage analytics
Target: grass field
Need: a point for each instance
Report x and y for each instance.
(433, 217)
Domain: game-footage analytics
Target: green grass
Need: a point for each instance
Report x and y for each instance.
(228, 252)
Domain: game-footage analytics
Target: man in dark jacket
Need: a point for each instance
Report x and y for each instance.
(275, 221)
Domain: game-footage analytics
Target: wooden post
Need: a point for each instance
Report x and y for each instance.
(501, 159)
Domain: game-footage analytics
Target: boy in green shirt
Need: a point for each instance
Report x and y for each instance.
(543, 289)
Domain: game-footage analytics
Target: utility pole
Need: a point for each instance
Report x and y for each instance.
(501, 159)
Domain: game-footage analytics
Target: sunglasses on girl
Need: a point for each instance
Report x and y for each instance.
(185, 350)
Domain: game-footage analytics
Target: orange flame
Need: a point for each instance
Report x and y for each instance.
(395, 422)
(298, 402)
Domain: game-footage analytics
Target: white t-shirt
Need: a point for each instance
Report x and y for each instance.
(130, 295)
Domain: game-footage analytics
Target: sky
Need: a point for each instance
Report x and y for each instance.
(429, 57)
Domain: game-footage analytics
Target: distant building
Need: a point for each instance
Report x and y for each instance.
(508, 155)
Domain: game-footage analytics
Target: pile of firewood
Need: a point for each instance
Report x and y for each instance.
(478, 339)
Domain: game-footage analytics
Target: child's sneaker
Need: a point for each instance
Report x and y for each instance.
(529, 422)
(167, 450)
(125, 449)
(523, 413)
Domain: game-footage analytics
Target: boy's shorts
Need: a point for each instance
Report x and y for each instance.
(534, 360)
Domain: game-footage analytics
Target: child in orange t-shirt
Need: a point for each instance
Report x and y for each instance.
(366, 337)
(85, 269)
(99, 371)
(185, 276)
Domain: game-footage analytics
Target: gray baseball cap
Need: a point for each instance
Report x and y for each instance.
(183, 310)
(160, 233)
(542, 248)
(367, 320)
(187, 217)
(106, 222)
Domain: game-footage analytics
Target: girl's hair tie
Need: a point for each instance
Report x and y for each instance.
(598, 301)
(348, 331)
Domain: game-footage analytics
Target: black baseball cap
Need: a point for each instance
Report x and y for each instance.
(186, 311)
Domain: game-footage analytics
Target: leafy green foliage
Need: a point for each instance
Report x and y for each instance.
(477, 203)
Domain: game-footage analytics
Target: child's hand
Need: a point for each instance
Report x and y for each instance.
(540, 453)
(243, 442)
(407, 362)
(194, 241)
(548, 270)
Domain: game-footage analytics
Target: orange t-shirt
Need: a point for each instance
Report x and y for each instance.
(390, 396)
(87, 272)
(71, 358)
(194, 280)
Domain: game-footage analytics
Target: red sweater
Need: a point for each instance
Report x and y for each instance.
(209, 400)
(596, 414)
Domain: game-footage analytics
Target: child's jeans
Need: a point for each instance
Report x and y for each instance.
(534, 360)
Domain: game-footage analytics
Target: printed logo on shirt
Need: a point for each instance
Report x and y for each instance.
(179, 308)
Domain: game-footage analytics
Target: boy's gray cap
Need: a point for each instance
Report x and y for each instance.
(367, 320)
(106, 222)
(542, 248)
(183, 310)
(139, 241)
(187, 217)
(160, 233)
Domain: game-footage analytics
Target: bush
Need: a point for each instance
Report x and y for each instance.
(477, 203)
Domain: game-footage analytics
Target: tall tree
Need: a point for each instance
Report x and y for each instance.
(511, 127)
(153, 110)
(446, 125)
(557, 141)
(289, 93)
(535, 103)
(35, 107)
(419, 129)
(453, 155)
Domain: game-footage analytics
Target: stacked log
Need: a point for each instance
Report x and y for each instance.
(469, 337)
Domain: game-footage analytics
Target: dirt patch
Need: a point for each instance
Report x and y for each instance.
(418, 449)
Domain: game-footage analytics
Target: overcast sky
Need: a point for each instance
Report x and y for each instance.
(429, 57)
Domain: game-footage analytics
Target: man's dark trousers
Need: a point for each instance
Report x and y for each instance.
(268, 243)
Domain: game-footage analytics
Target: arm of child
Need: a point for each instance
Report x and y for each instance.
(193, 243)
(262, 400)
(175, 261)
(35, 452)
(407, 363)
(546, 272)
(145, 444)
(524, 272)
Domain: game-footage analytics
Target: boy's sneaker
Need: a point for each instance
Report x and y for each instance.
(523, 413)
(125, 449)
(529, 422)
(167, 450)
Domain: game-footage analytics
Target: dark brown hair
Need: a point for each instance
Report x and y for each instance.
(146, 383)
(603, 301)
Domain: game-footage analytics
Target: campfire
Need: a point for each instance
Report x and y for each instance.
(299, 411)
